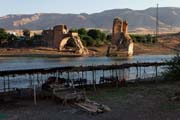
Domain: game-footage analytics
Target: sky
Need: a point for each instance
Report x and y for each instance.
(77, 6)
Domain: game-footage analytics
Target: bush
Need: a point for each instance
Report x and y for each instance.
(172, 71)
(109, 37)
(82, 31)
(88, 40)
(154, 40)
(95, 34)
(26, 33)
(3, 34)
(144, 38)
(148, 38)
(93, 37)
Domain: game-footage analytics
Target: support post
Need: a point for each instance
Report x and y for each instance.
(94, 82)
(8, 83)
(35, 101)
(4, 84)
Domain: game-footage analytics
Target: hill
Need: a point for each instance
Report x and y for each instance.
(169, 18)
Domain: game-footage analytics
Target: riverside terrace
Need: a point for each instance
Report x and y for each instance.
(116, 71)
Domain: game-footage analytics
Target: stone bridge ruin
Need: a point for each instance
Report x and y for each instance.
(59, 36)
(121, 41)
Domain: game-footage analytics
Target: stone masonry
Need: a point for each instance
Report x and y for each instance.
(121, 41)
(59, 36)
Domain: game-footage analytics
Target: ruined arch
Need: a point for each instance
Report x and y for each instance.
(76, 39)
(59, 36)
(63, 42)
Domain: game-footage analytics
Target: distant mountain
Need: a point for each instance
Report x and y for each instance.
(137, 19)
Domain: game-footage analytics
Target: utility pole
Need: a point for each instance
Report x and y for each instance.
(157, 20)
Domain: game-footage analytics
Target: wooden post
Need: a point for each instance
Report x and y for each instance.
(117, 81)
(137, 73)
(156, 71)
(94, 82)
(57, 74)
(140, 71)
(4, 84)
(8, 83)
(38, 79)
(41, 79)
(35, 102)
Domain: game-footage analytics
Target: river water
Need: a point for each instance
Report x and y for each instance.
(14, 63)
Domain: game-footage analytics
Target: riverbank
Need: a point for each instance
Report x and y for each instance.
(139, 49)
(141, 101)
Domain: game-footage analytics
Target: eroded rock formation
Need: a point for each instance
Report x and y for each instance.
(59, 36)
(121, 41)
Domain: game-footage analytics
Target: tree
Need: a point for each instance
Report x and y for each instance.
(149, 38)
(3, 34)
(172, 71)
(103, 36)
(82, 31)
(11, 37)
(73, 30)
(95, 34)
(88, 40)
(109, 37)
(26, 33)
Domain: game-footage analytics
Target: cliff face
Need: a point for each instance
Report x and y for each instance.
(138, 19)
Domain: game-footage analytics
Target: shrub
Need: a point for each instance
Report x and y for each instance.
(109, 37)
(88, 40)
(172, 71)
(82, 31)
(95, 34)
(3, 34)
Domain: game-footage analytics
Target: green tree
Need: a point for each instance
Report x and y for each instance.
(11, 37)
(103, 36)
(172, 71)
(95, 34)
(149, 38)
(26, 33)
(109, 37)
(82, 31)
(88, 40)
(3, 34)
(73, 30)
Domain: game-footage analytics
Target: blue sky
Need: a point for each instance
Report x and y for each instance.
(77, 6)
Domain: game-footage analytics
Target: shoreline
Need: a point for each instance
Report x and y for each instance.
(78, 55)
(93, 52)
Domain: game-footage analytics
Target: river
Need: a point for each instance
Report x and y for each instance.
(14, 63)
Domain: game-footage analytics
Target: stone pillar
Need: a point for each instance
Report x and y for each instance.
(117, 30)
(125, 27)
